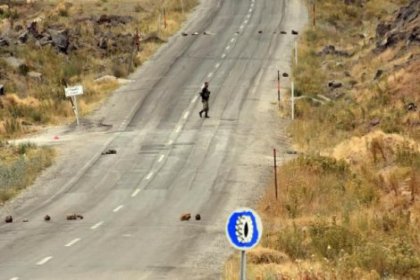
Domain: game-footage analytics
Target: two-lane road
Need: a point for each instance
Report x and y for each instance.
(169, 161)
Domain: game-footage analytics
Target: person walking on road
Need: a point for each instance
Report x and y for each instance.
(205, 95)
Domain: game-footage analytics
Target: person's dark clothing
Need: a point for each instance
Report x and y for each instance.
(205, 96)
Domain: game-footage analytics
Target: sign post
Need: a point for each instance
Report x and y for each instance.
(244, 231)
(73, 92)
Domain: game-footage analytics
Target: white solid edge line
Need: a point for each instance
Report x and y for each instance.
(186, 114)
(149, 175)
(95, 226)
(44, 260)
(136, 192)
(74, 241)
(118, 208)
(161, 158)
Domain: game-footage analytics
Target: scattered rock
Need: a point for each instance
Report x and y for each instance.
(60, 39)
(404, 27)
(185, 217)
(198, 217)
(25, 220)
(184, 34)
(103, 43)
(106, 79)
(47, 218)
(73, 217)
(330, 49)
(283, 32)
(260, 31)
(291, 152)
(113, 19)
(35, 76)
(411, 107)
(4, 42)
(8, 219)
(23, 37)
(335, 84)
(109, 152)
(378, 74)
(374, 122)
(285, 75)
(294, 32)
(14, 62)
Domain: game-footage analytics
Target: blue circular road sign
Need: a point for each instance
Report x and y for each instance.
(244, 229)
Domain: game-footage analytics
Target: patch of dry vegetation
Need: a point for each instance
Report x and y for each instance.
(348, 206)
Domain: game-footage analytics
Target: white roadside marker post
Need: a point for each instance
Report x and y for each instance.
(73, 92)
(293, 100)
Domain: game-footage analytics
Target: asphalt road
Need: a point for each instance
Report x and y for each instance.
(169, 161)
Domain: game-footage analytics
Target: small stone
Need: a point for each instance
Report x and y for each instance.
(71, 217)
(375, 122)
(184, 34)
(47, 218)
(8, 219)
(198, 217)
(294, 32)
(283, 32)
(25, 220)
(411, 107)
(260, 32)
(185, 217)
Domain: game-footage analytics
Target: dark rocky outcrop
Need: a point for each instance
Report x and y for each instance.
(404, 27)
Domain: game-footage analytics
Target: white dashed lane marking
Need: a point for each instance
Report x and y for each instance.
(74, 241)
(194, 99)
(14, 278)
(44, 260)
(228, 47)
(210, 75)
(95, 226)
(136, 192)
(178, 129)
(232, 40)
(223, 55)
(170, 142)
(217, 65)
(118, 208)
(186, 114)
(149, 175)
(161, 158)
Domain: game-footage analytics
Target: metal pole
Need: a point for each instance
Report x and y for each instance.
(293, 101)
(76, 110)
(275, 172)
(243, 265)
(278, 85)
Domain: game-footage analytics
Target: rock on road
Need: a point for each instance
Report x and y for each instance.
(168, 160)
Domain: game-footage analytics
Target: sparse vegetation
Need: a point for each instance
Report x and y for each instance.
(348, 207)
